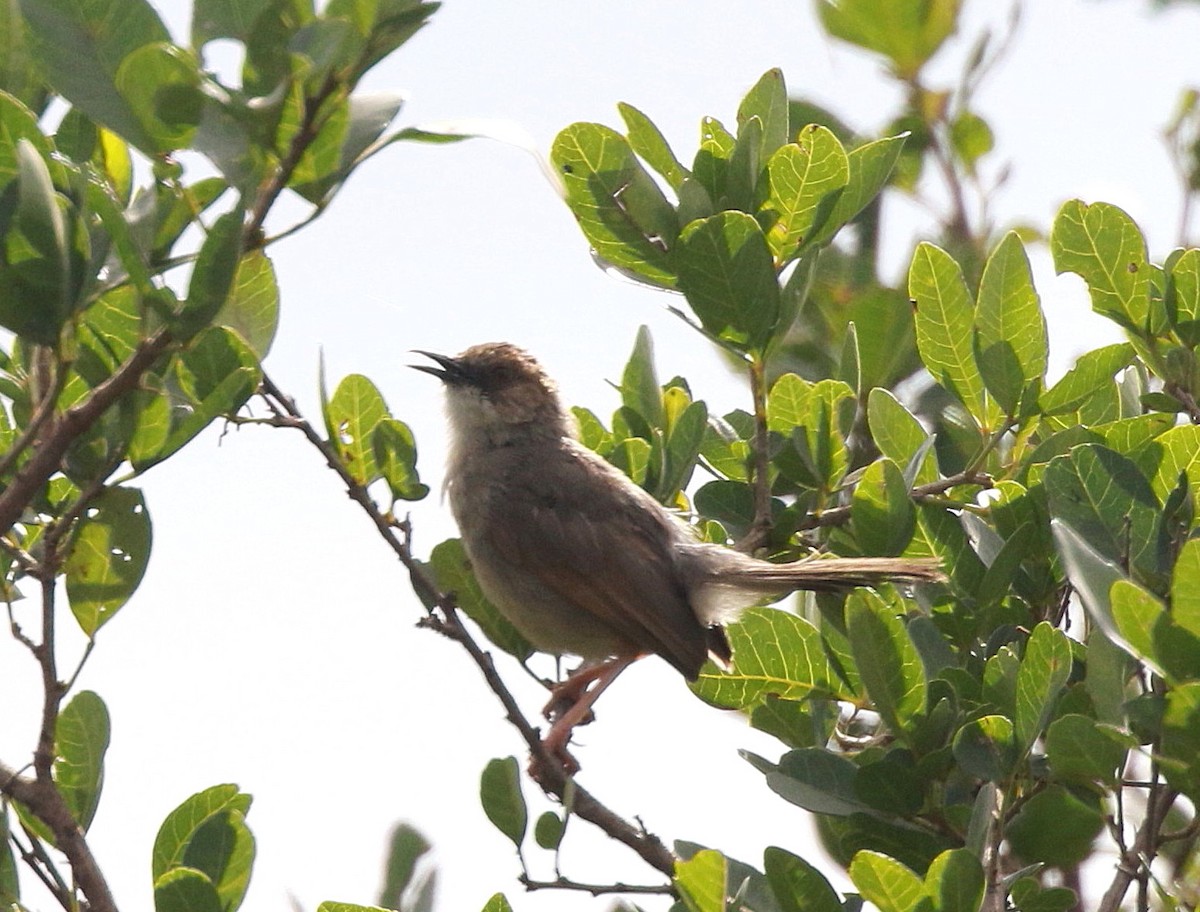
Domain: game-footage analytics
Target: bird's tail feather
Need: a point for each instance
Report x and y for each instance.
(821, 575)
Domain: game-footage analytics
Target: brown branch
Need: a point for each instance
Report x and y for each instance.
(61, 432)
(44, 801)
(546, 771)
(562, 883)
(1135, 861)
(929, 492)
(760, 528)
(45, 408)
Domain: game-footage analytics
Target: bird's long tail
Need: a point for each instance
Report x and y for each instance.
(823, 575)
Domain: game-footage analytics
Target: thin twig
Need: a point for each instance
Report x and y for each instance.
(45, 408)
(563, 883)
(929, 492)
(760, 527)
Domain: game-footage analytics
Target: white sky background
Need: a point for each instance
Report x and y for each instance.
(272, 642)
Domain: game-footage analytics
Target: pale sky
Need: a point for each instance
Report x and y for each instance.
(272, 643)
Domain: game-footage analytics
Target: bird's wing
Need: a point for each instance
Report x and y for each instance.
(604, 545)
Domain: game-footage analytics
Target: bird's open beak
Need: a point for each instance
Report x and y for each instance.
(447, 370)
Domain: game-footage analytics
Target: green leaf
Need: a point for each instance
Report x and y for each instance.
(224, 19)
(20, 78)
(620, 209)
(183, 824)
(500, 795)
(222, 848)
(1101, 244)
(252, 305)
(1010, 331)
(1173, 453)
(774, 652)
(887, 883)
(10, 884)
(497, 903)
(81, 737)
(803, 176)
(1045, 668)
(353, 413)
(881, 510)
(1079, 750)
(80, 46)
(1090, 573)
(971, 138)
(907, 34)
(944, 317)
(1107, 500)
(798, 886)
(108, 556)
(1029, 896)
(213, 376)
(161, 84)
(405, 848)
(725, 270)
(1181, 738)
(548, 831)
(955, 882)
(870, 167)
(185, 890)
(985, 748)
(1056, 827)
(701, 881)
(900, 436)
(639, 383)
(646, 140)
(453, 573)
(711, 167)
(768, 101)
(213, 275)
(17, 122)
(396, 455)
(1093, 369)
(1183, 297)
(887, 660)
(1185, 588)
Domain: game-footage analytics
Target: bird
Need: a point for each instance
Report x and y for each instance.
(579, 558)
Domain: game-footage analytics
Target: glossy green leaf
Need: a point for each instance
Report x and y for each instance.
(882, 511)
(1079, 751)
(955, 882)
(884, 881)
(453, 573)
(1056, 827)
(81, 737)
(1093, 369)
(17, 122)
(222, 848)
(803, 177)
(620, 209)
(900, 436)
(108, 556)
(871, 165)
(1045, 668)
(395, 453)
(183, 824)
(710, 168)
(887, 660)
(354, 411)
(944, 317)
(647, 141)
(548, 831)
(498, 903)
(798, 885)
(185, 890)
(816, 780)
(1173, 453)
(1183, 299)
(725, 270)
(985, 748)
(1010, 331)
(1101, 244)
(1090, 573)
(774, 652)
(701, 881)
(500, 795)
(1185, 588)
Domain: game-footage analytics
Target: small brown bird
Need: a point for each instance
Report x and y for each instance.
(579, 558)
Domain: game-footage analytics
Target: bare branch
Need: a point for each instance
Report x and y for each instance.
(563, 883)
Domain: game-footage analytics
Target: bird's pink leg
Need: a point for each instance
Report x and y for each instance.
(571, 703)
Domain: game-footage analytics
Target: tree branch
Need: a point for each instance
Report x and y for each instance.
(545, 770)
(760, 528)
(42, 798)
(926, 493)
(563, 883)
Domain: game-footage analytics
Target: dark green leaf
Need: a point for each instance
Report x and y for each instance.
(900, 436)
(213, 275)
(639, 383)
(1181, 738)
(1079, 750)
(80, 741)
(453, 573)
(405, 848)
(1056, 827)
(1045, 668)
(500, 795)
(882, 512)
(182, 824)
(955, 882)
(768, 102)
(985, 748)
(888, 662)
(161, 84)
(1010, 331)
(548, 831)
(185, 890)
(222, 848)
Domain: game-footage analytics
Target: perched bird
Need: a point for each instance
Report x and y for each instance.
(579, 558)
